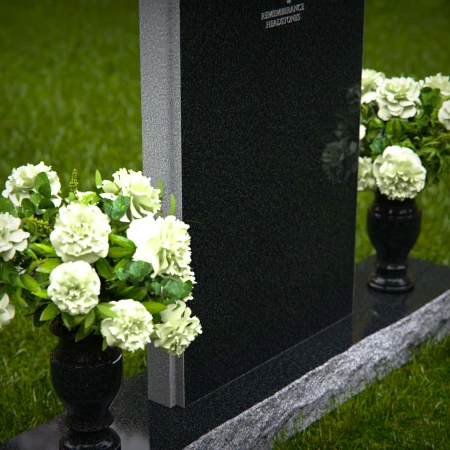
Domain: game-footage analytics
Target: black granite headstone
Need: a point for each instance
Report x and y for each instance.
(251, 117)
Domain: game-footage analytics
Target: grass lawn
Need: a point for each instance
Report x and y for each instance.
(70, 87)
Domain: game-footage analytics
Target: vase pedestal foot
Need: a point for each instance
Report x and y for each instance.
(391, 281)
(87, 424)
(106, 439)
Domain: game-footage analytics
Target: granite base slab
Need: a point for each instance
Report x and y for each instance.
(247, 413)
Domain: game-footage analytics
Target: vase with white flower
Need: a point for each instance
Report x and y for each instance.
(405, 145)
(105, 269)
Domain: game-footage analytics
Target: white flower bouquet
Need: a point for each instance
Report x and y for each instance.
(405, 133)
(105, 262)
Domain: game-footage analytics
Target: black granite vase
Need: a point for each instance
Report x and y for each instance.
(85, 378)
(393, 227)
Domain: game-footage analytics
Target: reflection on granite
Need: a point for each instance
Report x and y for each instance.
(140, 423)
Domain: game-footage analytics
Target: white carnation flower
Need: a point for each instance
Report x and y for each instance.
(439, 81)
(399, 173)
(7, 311)
(165, 244)
(177, 329)
(370, 80)
(131, 330)
(362, 132)
(20, 184)
(12, 239)
(74, 287)
(366, 179)
(144, 198)
(398, 97)
(444, 114)
(81, 233)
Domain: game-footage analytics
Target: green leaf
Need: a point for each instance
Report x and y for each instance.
(155, 287)
(36, 199)
(161, 188)
(104, 269)
(139, 293)
(29, 283)
(31, 254)
(41, 294)
(82, 333)
(394, 129)
(407, 143)
(139, 269)
(48, 213)
(42, 249)
(117, 208)
(125, 291)
(89, 320)
(120, 252)
(89, 199)
(98, 179)
(7, 206)
(37, 316)
(27, 207)
(173, 205)
(104, 309)
(42, 185)
(378, 145)
(121, 241)
(104, 344)
(176, 289)
(154, 307)
(135, 270)
(135, 293)
(9, 274)
(45, 203)
(18, 299)
(376, 123)
(49, 313)
(48, 265)
(67, 320)
(72, 321)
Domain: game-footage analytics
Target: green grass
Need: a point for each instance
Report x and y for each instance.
(70, 86)
(409, 409)
(70, 96)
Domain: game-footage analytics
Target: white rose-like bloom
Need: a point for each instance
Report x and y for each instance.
(370, 80)
(131, 330)
(398, 97)
(7, 311)
(74, 287)
(81, 233)
(177, 329)
(20, 183)
(366, 179)
(12, 239)
(165, 244)
(399, 173)
(362, 132)
(439, 81)
(444, 115)
(144, 198)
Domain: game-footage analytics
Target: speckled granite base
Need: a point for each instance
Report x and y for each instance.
(338, 379)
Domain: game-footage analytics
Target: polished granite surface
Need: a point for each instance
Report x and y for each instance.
(269, 154)
(139, 422)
